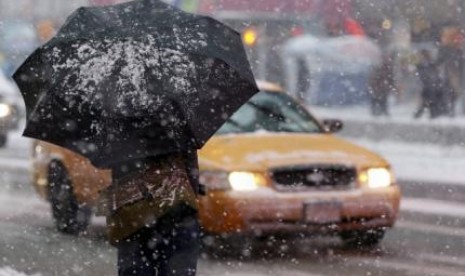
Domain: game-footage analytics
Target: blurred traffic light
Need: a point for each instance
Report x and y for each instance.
(386, 24)
(250, 36)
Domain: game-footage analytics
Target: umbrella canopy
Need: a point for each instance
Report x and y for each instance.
(132, 80)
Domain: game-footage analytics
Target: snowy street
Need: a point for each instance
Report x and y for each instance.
(247, 138)
(427, 239)
(430, 246)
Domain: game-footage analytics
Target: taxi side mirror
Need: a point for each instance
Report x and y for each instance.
(332, 125)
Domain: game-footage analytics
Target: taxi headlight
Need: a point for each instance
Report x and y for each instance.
(237, 181)
(376, 178)
(5, 110)
(38, 150)
(245, 181)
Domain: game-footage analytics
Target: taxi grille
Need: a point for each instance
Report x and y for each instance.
(317, 177)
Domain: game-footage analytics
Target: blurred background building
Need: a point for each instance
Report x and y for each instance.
(401, 27)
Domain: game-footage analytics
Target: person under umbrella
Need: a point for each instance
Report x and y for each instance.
(137, 88)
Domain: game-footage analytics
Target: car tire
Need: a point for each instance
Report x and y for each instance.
(70, 217)
(363, 238)
(3, 140)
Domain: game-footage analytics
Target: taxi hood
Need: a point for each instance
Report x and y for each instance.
(263, 151)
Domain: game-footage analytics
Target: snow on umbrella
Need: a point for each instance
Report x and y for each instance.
(136, 79)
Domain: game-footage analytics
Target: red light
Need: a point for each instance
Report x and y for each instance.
(352, 27)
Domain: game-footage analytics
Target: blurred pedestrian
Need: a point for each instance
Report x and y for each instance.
(152, 215)
(303, 82)
(431, 86)
(450, 63)
(381, 85)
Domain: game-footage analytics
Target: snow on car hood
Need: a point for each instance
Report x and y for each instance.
(262, 151)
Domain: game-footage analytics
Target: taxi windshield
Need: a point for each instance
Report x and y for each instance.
(272, 112)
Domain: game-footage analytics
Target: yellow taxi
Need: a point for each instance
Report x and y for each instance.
(271, 169)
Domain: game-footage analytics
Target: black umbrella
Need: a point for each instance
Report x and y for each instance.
(132, 80)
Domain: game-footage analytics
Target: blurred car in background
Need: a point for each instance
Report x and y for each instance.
(11, 107)
(6, 116)
(271, 169)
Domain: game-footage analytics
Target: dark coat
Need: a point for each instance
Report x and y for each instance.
(145, 190)
(190, 160)
(429, 76)
(381, 80)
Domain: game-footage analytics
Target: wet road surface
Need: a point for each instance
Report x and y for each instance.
(427, 240)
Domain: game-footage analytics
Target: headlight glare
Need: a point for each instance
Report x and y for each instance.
(5, 110)
(243, 181)
(38, 150)
(237, 180)
(376, 178)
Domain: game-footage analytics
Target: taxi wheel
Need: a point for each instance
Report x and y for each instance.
(70, 218)
(3, 140)
(363, 238)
